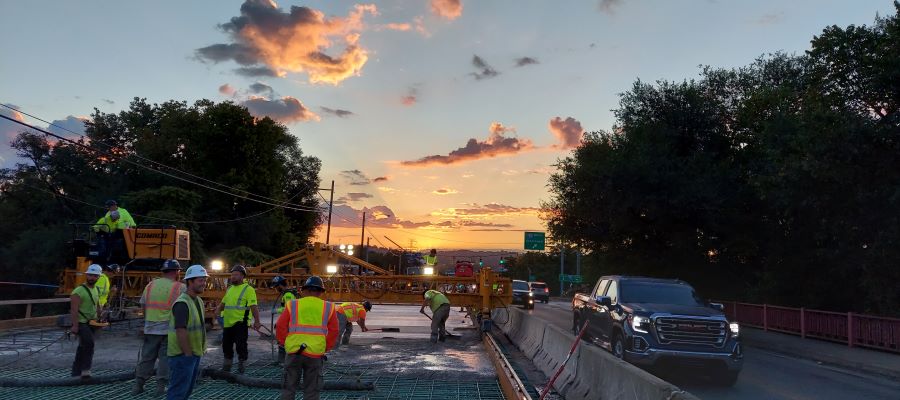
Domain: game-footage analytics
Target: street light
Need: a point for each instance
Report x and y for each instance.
(217, 265)
(331, 269)
(428, 271)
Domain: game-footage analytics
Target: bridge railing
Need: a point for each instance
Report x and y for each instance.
(860, 330)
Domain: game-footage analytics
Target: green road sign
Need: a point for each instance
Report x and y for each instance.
(535, 241)
(570, 278)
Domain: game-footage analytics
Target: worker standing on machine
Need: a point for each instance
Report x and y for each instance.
(440, 311)
(84, 311)
(158, 298)
(237, 305)
(308, 328)
(285, 295)
(347, 314)
(187, 335)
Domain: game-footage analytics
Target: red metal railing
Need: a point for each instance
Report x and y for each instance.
(853, 329)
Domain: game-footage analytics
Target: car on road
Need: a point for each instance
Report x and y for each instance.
(660, 322)
(522, 294)
(541, 291)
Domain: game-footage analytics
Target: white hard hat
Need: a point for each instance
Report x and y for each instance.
(195, 271)
(94, 269)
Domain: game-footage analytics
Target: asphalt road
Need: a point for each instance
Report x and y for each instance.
(766, 375)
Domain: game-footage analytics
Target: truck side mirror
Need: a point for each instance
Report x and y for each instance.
(604, 301)
(718, 306)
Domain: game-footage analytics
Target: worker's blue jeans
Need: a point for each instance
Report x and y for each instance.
(183, 375)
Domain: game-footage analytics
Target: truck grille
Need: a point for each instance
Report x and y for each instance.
(691, 331)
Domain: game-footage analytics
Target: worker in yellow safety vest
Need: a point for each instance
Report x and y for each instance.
(347, 314)
(187, 335)
(236, 308)
(124, 216)
(83, 312)
(157, 300)
(308, 328)
(440, 311)
(431, 258)
(285, 295)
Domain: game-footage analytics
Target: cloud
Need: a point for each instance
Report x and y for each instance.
(484, 211)
(609, 6)
(70, 127)
(354, 196)
(495, 145)
(380, 179)
(261, 88)
(376, 217)
(449, 9)
(8, 131)
(386, 189)
(403, 27)
(568, 131)
(445, 191)
(412, 96)
(337, 112)
(285, 109)
(108, 101)
(770, 18)
(258, 72)
(484, 224)
(523, 61)
(355, 177)
(264, 36)
(485, 70)
(227, 90)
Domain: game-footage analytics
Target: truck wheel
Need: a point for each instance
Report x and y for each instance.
(618, 346)
(726, 378)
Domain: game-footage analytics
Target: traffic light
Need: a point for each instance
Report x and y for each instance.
(480, 263)
(502, 261)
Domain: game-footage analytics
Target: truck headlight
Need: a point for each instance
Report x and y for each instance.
(530, 294)
(735, 328)
(640, 324)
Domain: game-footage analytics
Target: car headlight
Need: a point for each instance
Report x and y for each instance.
(530, 294)
(640, 324)
(735, 328)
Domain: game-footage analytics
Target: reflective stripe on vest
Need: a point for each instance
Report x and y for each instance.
(160, 298)
(351, 310)
(196, 328)
(431, 260)
(238, 305)
(309, 325)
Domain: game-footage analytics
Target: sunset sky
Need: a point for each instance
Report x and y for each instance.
(442, 118)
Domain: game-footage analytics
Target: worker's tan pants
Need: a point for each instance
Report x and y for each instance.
(311, 369)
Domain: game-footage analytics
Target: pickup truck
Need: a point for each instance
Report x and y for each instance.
(659, 322)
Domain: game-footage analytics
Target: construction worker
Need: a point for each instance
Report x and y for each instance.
(237, 305)
(285, 295)
(431, 259)
(186, 341)
(440, 310)
(84, 310)
(102, 289)
(158, 298)
(347, 314)
(124, 215)
(308, 328)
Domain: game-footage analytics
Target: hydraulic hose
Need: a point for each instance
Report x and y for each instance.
(275, 384)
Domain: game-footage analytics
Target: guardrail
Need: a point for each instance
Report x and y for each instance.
(30, 321)
(860, 330)
(29, 302)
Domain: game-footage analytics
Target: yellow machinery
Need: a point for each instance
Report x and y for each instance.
(347, 278)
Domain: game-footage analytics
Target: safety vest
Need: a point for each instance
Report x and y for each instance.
(196, 328)
(351, 310)
(431, 260)
(436, 299)
(159, 296)
(309, 325)
(102, 286)
(235, 302)
(106, 224)
(285, 298)
(88, 308)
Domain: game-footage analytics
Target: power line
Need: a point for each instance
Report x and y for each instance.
(82, 145)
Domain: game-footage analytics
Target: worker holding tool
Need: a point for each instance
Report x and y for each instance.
(347, 314)
(186, 340)
(84, 300)
(158, 298)
(440, 311)
(285, 295)
(308, 328)
(236, 306)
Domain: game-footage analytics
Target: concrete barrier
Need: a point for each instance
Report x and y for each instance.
(591, 373)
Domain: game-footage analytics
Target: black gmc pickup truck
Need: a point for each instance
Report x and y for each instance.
(650, 322)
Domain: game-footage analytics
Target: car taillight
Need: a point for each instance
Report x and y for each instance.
(546, 290)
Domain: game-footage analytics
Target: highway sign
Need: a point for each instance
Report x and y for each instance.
(535, 241)
(570, 278)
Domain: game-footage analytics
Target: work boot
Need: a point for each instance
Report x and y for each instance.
(240, 366)
(434, 338)
(226, 366)
(85, 374)
(138, 387)
(161, 387)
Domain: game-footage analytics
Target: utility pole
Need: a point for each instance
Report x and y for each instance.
(367, 248)
(330, 207)
(363, 234)
(562, 268)
(578, 261)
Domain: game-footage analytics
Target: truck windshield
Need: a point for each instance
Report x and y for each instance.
(519, 285)
(659, 293)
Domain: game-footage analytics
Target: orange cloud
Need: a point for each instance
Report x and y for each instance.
(449, 9)
(285, 109)
(495, 145)
(568, 131)
(397, 27)
(227, 90)
(445, 191)
(474, 211)
(268, 41)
